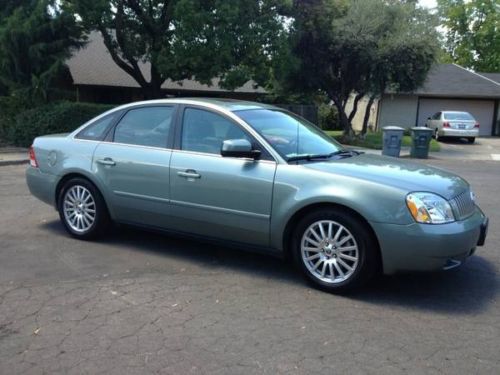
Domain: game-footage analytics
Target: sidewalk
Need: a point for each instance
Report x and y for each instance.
(13, 155)
(485, 149)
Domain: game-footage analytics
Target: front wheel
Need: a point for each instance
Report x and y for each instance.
(82, 209)
(334, 250)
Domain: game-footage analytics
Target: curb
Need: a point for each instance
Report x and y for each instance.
(4, 163)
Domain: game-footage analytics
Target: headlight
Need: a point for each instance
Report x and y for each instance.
(429, 208)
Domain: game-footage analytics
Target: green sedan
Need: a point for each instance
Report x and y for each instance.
(256, 176)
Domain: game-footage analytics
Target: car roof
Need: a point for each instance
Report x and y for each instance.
(232, 105)
(456, 112)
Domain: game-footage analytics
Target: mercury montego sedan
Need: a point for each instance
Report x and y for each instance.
(257, 176)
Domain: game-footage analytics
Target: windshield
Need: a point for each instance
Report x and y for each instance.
(458, 116)
(291, 136)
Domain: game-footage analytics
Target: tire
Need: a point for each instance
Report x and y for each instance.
(471, 139)
(82, 209)
(366, 257)
(436, 135)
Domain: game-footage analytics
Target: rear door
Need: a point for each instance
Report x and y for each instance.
(133, 164)
(223, 197)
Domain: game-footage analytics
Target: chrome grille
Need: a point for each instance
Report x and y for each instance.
(463, 205)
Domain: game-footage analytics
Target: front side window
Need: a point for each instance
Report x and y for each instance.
(148, 126)
(291, 136)
(204, 131)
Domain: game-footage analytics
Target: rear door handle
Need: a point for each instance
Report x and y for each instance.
(190, 173)
(106, 161)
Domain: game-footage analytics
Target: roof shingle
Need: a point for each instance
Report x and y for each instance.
(93, 65)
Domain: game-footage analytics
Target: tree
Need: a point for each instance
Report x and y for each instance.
(361, 47)
(186, 39)
(36, 38)
(472, 33)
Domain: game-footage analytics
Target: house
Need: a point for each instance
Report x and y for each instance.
(96, 78)
(447, 87)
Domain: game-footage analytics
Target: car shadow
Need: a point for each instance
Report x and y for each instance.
(199, 252)
(468, 289)
(458, 141)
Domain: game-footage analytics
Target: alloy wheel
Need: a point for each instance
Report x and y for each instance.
(329, 251)
(79, 208)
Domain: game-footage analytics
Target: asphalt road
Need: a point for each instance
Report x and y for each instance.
(140, 302)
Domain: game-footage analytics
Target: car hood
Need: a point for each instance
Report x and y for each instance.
(402, 174)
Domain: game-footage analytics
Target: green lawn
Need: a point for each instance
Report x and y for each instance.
(374, 140)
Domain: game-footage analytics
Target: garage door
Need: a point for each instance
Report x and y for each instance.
(481, 110)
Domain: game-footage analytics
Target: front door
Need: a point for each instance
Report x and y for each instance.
(222, 197)
(134, 165)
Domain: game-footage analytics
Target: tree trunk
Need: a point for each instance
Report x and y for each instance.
(367, 115)
(357, 98)
(343, 119)
(152, 90)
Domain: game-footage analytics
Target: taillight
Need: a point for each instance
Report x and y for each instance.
(476, 125)
(33, 161)
(446, 124)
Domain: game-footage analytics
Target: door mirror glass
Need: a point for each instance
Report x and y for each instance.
(238, 148)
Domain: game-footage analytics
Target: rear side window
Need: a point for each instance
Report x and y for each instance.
(148, 126)
(97, 130)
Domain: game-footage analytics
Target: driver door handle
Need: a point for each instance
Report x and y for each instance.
(106, 161)
(189, 173)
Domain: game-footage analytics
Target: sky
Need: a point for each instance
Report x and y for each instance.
(427, 3)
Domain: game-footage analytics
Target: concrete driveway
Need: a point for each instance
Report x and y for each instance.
(138, 302)
(458, 149)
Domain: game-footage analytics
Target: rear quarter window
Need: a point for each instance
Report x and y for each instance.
(98, 129)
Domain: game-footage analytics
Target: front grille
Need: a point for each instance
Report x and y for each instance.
(463, 205)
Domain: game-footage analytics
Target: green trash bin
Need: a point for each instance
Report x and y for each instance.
(392, 137)
(420, 142)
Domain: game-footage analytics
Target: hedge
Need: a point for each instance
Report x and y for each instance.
(61, 117)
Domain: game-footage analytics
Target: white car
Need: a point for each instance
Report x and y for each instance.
(453, 124)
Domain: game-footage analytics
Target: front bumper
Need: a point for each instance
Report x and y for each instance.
(425, 247)
(448, 132)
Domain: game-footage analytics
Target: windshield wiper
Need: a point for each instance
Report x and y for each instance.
(344, 153)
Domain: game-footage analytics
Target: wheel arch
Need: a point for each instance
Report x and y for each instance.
(295, 218)
(77, 174)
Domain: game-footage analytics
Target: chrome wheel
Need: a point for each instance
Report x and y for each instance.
(329, 251)
(79, 208)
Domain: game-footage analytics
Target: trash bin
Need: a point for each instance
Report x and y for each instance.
(420, 140)
(392, 137)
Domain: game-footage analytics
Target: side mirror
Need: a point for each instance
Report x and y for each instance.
(238, 148)
(428, 118)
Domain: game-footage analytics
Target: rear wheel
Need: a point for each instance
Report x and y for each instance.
(334, 250)
(82, 209)
(436, 135)
(471, 139)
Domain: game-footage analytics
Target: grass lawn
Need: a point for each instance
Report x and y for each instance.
(374, 140)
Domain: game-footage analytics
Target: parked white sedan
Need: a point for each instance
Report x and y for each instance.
(454, 124)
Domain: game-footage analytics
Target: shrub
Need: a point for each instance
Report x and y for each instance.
(328, 117)
(61, 117)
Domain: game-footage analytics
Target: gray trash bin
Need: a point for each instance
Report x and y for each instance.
(420, 141)
(392, 137)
